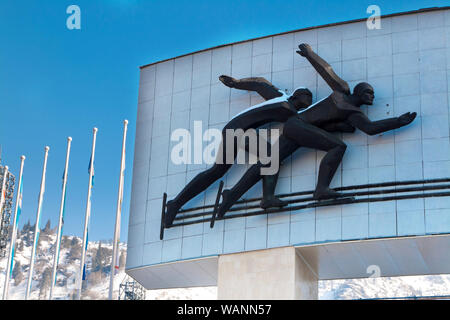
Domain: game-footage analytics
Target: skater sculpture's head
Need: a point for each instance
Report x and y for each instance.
(301, 98)
(364, 92)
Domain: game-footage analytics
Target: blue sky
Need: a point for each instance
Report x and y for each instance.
(56, 82)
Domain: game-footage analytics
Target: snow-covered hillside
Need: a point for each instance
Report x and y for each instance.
(97, 284)
(99, 259)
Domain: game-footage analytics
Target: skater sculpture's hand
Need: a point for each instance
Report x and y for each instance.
(228, 81)
(305, 49)
(406, 118)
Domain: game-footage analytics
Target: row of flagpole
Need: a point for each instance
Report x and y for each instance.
(116, 240)
(61, 218)
(36, 226)
(18, 208)
(82, 274)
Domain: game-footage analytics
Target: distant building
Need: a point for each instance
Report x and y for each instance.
(6, 210)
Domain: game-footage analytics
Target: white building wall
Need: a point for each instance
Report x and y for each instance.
(408, 64)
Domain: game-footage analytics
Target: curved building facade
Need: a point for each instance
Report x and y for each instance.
(407, 62)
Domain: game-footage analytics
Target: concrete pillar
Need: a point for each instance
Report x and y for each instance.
(270, 274)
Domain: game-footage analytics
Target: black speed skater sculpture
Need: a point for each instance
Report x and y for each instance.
(310, 128)
(278, 107)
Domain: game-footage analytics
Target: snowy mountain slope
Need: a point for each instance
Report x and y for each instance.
(97, 284)
(68, 268)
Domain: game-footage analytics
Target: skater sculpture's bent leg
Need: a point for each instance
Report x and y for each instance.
(201, 181)
(269, 200)
(313, 137)
(296, 133)
(269, 181)
(197, 185)
(252, 176)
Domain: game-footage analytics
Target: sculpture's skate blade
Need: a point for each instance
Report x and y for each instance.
(216, 205)
(334, 201)
(163, 216)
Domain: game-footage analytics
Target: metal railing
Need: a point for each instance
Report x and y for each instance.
(366, 193)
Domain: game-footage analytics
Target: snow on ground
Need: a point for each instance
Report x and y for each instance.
(69, 267)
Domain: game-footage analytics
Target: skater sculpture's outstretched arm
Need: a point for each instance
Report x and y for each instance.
(260, 85)
(324, 69)
(360, 121)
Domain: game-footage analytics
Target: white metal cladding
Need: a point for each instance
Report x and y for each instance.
(400, 256)
(408, 64)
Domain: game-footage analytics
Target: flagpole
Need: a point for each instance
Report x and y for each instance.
(36, 227)
(3, 194)
(87, 217)
(14, 232)
(61, 219)
(114, 264)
